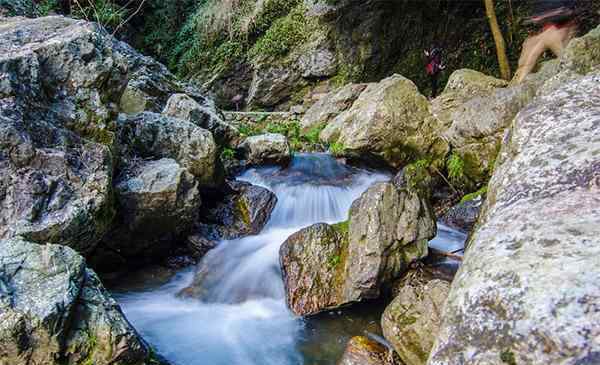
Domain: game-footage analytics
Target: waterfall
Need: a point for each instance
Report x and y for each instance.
(242, 317)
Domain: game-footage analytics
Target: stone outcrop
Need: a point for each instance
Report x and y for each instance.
(326, 267)
(412, 320)
(390, 122)
(157, 203)
(61, 81)
(476, 110)
(389, 228)
(244, 211)
(463, 215)
(364, 351)
(331, 105)
(528, 287)
(150, 135)
(53, 310)
(270, 148)
(314, 268)
(184, 107)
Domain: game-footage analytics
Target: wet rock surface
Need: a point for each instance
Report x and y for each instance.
(330, 266)
(411, 321)
(364, 351)
(54, 310)
(313, 265)
(463, 216)
(526, 288)
(244, 211)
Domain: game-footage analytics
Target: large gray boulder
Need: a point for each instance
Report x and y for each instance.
(61, 82)
(412, 320)
(390, 122)
(325, 267)
(528, 287)
(53, 310)
(158, 203)
(154, 136)
(478, 124)
(270, 148)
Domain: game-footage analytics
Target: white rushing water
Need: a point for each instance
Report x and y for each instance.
(242, 317)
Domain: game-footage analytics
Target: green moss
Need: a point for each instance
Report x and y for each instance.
(474, 195)
(342, 227)
(418, 177)
(508, 357)
(243, 211)
(282, 36)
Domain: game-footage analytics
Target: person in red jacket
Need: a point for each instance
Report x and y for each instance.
(558, 21)
(435, 65)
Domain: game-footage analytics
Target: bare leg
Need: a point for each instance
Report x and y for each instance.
(533, 48)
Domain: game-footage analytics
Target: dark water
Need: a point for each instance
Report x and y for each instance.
(243, 318)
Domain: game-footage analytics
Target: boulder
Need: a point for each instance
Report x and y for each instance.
(528, 287)
(313, 262)
(412, 320)
(270, 148)
(150, 84)
(463, 215)
(332, 105)
(150, 135)
(54, 310)
(57, 103)
(390, 122)
(389, 229)
(184, 107)
(477, 126)
(244, 211)
(364, 351)
(582, 55)
(158, 202)
(325, 267)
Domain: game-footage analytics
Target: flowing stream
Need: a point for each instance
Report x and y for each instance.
(242, 318)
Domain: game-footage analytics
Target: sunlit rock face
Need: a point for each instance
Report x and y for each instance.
(529, 283)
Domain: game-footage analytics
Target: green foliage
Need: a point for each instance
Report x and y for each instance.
(456, 166)
(337, 149)
(46, 7)
(105, 12)
(160, 25)
(228, 154)
(282, 36)
(418, 177)
(313, 133)
(334, 261)
(474, 195)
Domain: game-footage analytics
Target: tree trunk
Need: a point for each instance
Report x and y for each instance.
(498, 39)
